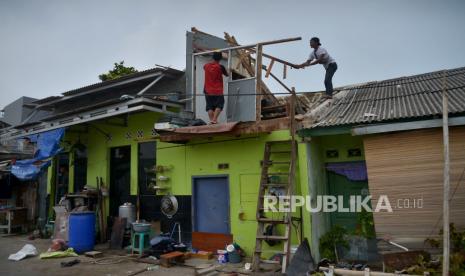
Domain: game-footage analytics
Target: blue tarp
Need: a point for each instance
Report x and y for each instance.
(48, 145)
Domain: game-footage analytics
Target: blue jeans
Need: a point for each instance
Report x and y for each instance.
(332, 67)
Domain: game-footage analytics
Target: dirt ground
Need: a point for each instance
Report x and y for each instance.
(35, 266)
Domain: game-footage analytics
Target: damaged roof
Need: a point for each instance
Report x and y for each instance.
(104, 84)
(412, 97)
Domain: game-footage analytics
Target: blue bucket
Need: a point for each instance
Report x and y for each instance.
(82, 231)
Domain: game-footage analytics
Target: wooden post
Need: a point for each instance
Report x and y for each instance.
(445, 210)
(292, 115)
(258, 82)
(285, 71)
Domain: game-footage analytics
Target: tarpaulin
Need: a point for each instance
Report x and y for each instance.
(356, 171)
(48, 145)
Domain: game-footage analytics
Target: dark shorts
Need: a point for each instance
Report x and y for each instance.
(214, 102)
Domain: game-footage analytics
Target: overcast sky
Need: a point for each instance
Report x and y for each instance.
(49, 47)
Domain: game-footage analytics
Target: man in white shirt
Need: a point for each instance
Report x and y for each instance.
(321, 56)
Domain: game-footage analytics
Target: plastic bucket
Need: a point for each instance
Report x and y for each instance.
(222, 256)
(234, 257)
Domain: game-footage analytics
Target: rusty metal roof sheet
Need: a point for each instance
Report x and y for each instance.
(410, 97)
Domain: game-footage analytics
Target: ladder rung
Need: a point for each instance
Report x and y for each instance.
(277, 238)
(270, 251)
(285, 199)
(275, 184)
(269, 262)
(279, 142)
(279, 162)
(280, 151)
(277, 173)
(262, 209)
(272, 221)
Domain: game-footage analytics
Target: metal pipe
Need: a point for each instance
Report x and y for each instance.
(249, 46)
(193, 90)
(445, 206)
(150, 85)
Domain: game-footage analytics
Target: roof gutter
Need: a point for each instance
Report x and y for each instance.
(394, 127)
(135, 105)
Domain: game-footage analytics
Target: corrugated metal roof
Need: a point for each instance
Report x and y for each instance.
(130, 76)
(103, 84)
(410, 97)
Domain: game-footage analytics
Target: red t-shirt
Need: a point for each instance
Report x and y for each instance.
(214, 78)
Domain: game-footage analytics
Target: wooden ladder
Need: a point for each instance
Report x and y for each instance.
(275, 149)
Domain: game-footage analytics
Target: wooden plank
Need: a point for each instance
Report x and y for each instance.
(210, 241)
(117, 233)
(258, 82)
(268, 70)
(167, 260)
(280, 82)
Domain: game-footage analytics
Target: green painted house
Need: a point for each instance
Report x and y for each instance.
(111, 136)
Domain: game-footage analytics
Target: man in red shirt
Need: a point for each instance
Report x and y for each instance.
(213, 88)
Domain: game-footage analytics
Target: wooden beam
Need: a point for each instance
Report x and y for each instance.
(280, 82)
(245, 60)
(258, 82)
(246, 128)
(268, 70)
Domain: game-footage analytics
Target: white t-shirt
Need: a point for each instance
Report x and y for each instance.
(323, 54)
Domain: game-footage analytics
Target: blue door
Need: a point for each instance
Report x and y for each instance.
(211, 205)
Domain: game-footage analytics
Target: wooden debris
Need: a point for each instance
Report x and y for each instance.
(207, 270)
(171, 258)
(268, 70)
(117, 233)
(205, 255)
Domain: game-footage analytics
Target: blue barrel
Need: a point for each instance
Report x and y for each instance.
(82, 231)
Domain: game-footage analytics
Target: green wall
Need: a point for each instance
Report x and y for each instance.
(318, 183)
(243, 156)
(197, 158)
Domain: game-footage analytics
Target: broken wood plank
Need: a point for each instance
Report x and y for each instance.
(268, 70)
(117, 233)
(169, 259)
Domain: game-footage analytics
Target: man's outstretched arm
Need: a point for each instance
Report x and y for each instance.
(303, 65)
